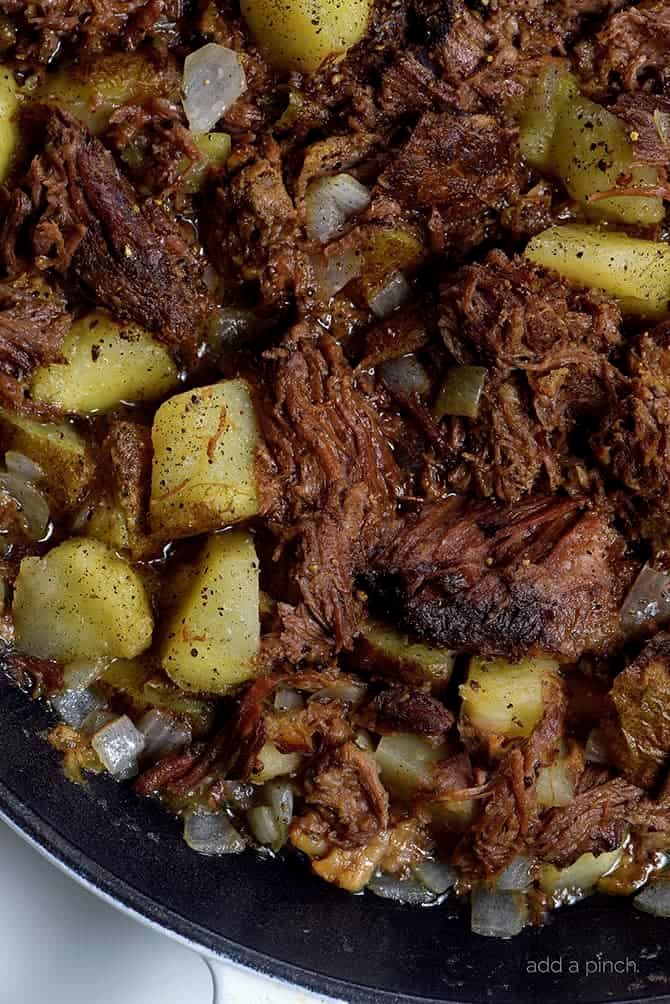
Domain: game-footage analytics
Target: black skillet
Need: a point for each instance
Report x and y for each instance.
(275, 917)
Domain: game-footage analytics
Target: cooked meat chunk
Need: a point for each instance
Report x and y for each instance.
(645, 115)
(638, 735)
(633, 48)
(400, 709)
(544, 575)
(595, 821)
(345, 791)
(509, 812)
(335, 485)
(42, 676)
(86, 224)
(128, 446)
(462, 171)
(33, 323)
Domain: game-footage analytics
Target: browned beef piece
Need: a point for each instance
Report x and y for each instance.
(33, 323)
(86, 224)
(344, 789)
(43, 28)
(41, 676)
(638, 734)
(647, 117)
(167, 771)
(128, 447)
(461, 171)
(509, 812)
(333, 488)
(595, 821)
(255, 224)
(404, 709)
(410, 87)
(545, 575)
(634, 443)
(633, 48)
(545, 345)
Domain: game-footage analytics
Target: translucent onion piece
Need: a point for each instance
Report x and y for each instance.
(556, 784)
(330, 202)
(407, 891)
(119, 745)
(211, 833)
(238, 794)
(163, 733)
(516, 877)
(655, 898)
(18, 463)
(391, 296)
(647, 600)
(288, 700)
(405, 376)
(96, 721)
(595, 750)
(278, 795)
(332, 273)
(345, 691)
(33, 506)
(436, 876)
(263, 825)
(74, 706)
(213, 81)
(497, 914)
(461, 392)
(83, 672)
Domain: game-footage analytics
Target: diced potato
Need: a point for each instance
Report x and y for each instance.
(580, 876)
(9, 130)
(556, 783)
(58, 449)
(299, 34)
(452, 815)
(591, 151)
(636, 272)
(215, 150)
(144, 688)
(504, 699)
(107, 362)
(93, 90)
(106, 523)
(553, 91)
(213, 635)
(80, 601)
(204, 468)
(274, 764)
(405, 763)
(384, 651)
(386, 252)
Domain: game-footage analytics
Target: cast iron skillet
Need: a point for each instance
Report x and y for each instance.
(277, 918)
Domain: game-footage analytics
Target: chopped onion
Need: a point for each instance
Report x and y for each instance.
(556, 784)
(330, 202)
(97, 720)
(24, 467)
(648, 599)
(213, 81)
(33, 506)
(461, 392)
(407, 891)
(119, 745)
(288, 700)
(516, 877)
(391, 296)
(83, 672)
(163, 733)
(436, 876)
(278, 795)
(405, 376)
(238, 794)
(497, 914)
(345, 691)
(332, 273)
(363, 740)
(263, 825)
(75, 705)
(655, 898)
(595, 750)
(211, 833)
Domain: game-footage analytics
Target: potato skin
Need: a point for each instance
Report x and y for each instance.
(80, 601)
(300, 34)
(9, 130)
(213, 635)
(204, 467)
(107, 362)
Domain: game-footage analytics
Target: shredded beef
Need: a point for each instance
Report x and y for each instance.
(86, 224)
(638, 735)
(544, 575)
(33, 323)
(335, 485)
(594, 822)
(633, 48)
(344, 789)
(646, 116)
(128, 446)
(401, 709)
(42, 676)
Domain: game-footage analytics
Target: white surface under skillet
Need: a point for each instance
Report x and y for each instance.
(60, 944)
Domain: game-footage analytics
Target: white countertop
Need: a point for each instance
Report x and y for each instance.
(59, 944)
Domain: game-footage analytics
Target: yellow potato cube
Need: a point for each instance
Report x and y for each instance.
(300, 34)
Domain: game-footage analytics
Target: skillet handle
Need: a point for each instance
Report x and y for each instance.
(235, 985)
